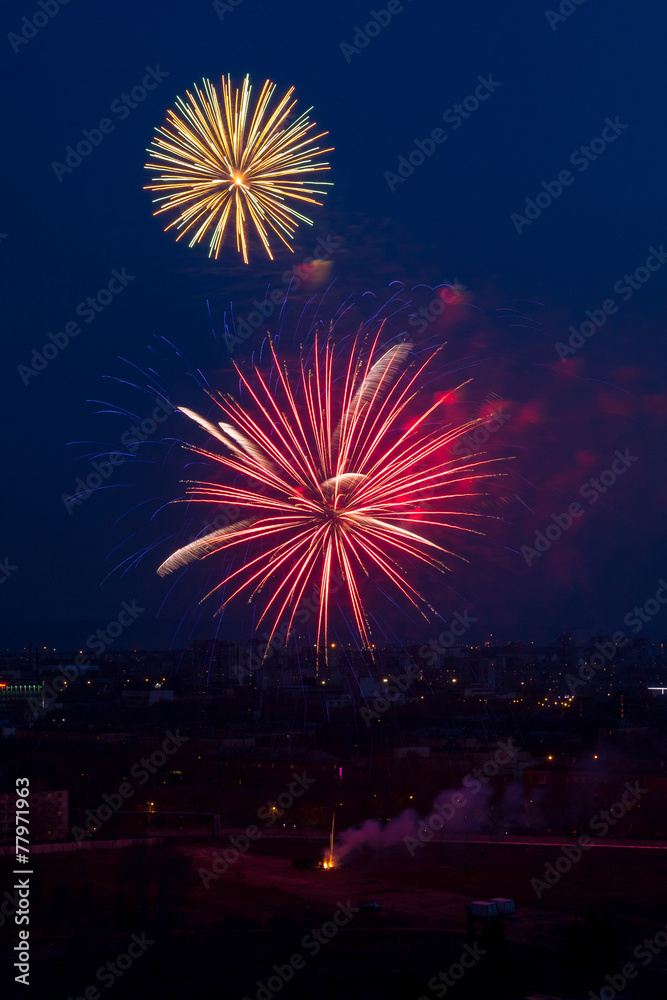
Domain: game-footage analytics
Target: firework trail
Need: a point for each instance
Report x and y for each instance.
(223, 159)
(346, 476)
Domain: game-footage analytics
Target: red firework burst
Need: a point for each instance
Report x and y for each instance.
(343, 469)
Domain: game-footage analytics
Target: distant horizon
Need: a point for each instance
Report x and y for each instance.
(163, 636)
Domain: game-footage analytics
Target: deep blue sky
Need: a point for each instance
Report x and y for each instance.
(450, 219)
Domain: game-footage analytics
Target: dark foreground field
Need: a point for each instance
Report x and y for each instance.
(221, 937)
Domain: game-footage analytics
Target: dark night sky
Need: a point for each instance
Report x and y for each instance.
(450, 219)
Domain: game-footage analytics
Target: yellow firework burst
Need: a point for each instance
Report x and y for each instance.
(225, 161)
